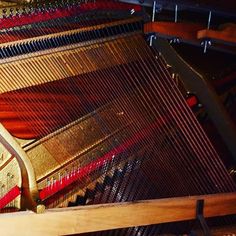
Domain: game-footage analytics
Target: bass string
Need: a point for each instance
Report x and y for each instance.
(151, 110)
(203, 139)
(99, 75)
(168, 120)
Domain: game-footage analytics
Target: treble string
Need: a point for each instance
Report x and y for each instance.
(161, 115)
(130, 75)
(139, 100)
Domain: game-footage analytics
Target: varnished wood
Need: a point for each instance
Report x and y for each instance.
(225, 35)
(113, 216)
(183, 31)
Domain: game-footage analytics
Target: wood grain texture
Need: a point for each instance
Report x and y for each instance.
(113, 216)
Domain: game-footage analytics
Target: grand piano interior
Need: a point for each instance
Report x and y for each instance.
(118, 117)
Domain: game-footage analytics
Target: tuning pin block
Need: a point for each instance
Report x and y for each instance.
(17, 12)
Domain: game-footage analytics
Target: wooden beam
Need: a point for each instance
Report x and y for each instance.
(225, 35)
(183, 31)
(112, 216)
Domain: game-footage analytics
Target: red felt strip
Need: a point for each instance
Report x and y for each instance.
(192, 101)
(9, 196)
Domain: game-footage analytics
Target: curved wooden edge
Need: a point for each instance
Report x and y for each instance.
(29, 185)
(117, 215)
(227, 36)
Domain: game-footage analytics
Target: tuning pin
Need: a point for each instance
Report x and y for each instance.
(175, 40)
(23, 11)
(11, 12)
(66, 173)
(51, 182)
(151, 38)
(59, 177)
(36, 7)
(48, 182)
(66, 4)
(3, 188)
(44, 7)
(60, 4)
(27, 10)
(54, 180)
(73, 170)
(62, 177)
(205, 45)
(30, 10)
(17, 11)
(4, 13)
